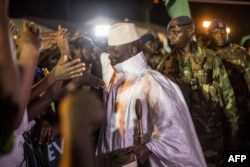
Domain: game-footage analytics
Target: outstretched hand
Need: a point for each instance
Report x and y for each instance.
(62, 36)
(65, 69)
(88, 79)
(31, 35)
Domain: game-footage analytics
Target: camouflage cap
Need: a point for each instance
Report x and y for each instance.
(179, 22)
(217, 23)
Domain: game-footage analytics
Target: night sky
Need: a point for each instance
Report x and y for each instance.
(236, 16)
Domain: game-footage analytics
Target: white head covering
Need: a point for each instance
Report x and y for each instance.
(122, 33)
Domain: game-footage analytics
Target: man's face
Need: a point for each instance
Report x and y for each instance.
(219, 37)
(118, 54)
(178, 36)
(149, 47)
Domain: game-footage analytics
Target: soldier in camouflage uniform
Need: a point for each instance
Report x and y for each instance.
(205, 85)
(237, 64)
(149, 47)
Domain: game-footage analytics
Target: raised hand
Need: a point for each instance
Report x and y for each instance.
(29, 45)
(88, 79)
(62, 36)
(65, 69)
(31, 35)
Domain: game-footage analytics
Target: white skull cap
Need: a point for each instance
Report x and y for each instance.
(122, 33)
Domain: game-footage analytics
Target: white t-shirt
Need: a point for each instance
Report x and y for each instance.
(16, 156)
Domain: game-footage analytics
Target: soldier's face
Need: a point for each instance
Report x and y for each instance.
(219, 37)
(178, 36)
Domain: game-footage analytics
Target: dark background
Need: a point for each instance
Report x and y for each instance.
(236, 16)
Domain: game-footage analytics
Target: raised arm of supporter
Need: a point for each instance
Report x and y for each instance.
(37, 107)
(63, 70)
(9, 80)
(62, 36)
(29, 46)
(8, 68)
(87, 79)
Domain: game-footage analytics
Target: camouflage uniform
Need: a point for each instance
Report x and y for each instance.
(153, 59)
(237, 64)
(208, 92)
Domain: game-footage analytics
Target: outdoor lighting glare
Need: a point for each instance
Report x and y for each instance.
(205, 24)
(102, 30)
(228, 30)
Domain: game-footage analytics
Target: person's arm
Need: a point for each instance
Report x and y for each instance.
(228, 99)
(29, 46)
(38, 106)
(9, 79)
(245, 64)
(79, 147)
(63, 70)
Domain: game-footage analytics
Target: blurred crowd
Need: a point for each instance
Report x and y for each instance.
(65, 102)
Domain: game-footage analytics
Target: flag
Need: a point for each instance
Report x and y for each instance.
(244, 39)
(177, 8)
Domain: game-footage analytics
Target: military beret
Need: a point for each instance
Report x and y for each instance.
(217, 23)
(147, 37)
(180, 21)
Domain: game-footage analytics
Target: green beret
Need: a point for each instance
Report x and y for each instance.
(179, 22)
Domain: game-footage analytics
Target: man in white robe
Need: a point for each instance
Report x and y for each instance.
(171, 139)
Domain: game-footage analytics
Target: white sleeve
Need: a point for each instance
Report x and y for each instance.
(107, 69)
